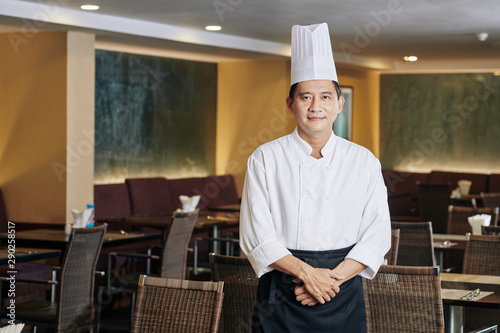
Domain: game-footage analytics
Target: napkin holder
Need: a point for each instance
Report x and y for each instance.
(189, 204)
(464, 187)
(14, 328)
(477, 221)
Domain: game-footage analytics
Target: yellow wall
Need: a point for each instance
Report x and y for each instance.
(34, 132)
(365, 106)
(252, 111)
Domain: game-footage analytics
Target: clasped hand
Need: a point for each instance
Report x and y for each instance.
(319, 285)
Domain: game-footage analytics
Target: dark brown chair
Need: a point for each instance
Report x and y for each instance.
(26, 270)
(170, 305)
(481, 257)
(240, 291)
(391, 298)
(434, 200)
(490, 230)
(173, 259)
(392, 255)
(416, 246)
(72, 310)
(491, 199)
(458, 222)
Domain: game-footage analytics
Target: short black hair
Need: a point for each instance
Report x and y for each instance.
(294, 87)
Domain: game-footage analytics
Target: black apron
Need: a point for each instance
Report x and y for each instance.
(278, 311)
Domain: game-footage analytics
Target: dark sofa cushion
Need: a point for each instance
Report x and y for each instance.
(494, 183)
(149, 196)
(213, 190)
(221, 190)
(402, 192)
(111, 201)
(479, 181)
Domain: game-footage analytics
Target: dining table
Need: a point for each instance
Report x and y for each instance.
(214, 221)
(48, 238)
(450, 245)
(226, 208)
(13, 256)
(456, 286)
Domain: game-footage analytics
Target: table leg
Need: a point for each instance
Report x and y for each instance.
(439, 258)
(215, 233)
(454, 319)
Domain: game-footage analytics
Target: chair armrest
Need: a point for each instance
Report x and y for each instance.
(111, 255)
(51, 282)
(133, 255)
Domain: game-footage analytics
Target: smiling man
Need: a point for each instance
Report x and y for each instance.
(314, 214)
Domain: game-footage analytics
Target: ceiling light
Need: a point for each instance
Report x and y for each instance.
(496, 73)
(213, 27)
(89, 7)
(410, 58)
(482, 36)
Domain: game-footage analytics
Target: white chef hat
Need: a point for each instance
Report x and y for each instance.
(312, 56)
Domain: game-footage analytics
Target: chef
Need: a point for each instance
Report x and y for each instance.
(314, 215)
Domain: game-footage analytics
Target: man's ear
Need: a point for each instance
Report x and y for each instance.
(289, 104)
(341, 104)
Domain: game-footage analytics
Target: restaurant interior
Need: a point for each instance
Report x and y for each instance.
(130, 107)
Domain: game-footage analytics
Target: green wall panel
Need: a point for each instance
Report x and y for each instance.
(440, 122)
(153, 117)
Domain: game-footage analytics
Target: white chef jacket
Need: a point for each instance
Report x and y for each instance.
(292, 200)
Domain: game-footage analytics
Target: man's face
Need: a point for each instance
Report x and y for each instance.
(315, 107)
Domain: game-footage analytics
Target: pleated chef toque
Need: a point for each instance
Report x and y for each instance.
(312, 56)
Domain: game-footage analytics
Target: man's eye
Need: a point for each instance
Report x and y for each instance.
(326, 97)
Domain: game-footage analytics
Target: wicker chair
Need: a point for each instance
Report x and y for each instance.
(72, 310)
(491, 199)
(392, 255)
(481, 257)
(181, 306)
(416, 246)
(173, 260)
(457, 218)
(490, 230)
(391, 296)
(240, 291)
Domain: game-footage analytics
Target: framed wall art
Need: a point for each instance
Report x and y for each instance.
(343, 124)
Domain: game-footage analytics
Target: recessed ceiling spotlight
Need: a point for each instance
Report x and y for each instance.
(213, 27)
(89, 7)
(410, 58)
(482, 36)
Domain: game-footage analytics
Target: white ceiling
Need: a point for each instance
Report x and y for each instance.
(368, 33)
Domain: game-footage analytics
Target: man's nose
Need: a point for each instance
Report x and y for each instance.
(315, 105)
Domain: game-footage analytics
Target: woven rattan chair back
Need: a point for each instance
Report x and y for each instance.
(76, 280)
(392, 255)
(416, 247)
(180, 306)
(458, 223)
(481, 257)
(175, 248)
(240, 291)
(390, 300)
